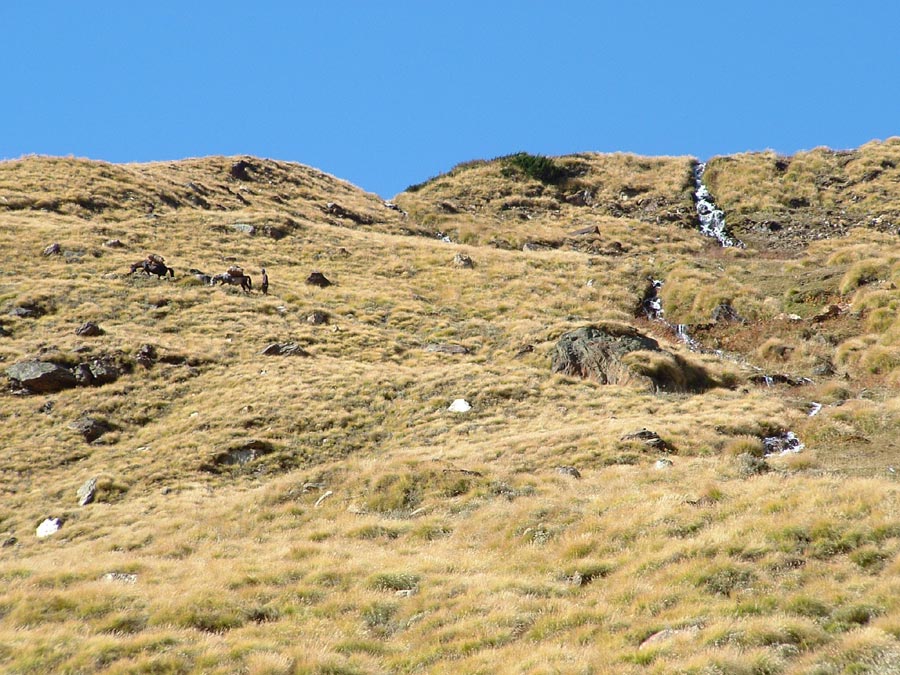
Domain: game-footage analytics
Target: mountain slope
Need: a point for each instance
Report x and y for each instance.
(322, 510)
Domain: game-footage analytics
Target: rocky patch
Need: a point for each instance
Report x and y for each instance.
(618, 354)
(90, 428)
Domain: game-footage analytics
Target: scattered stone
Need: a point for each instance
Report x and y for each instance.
(829, 312)
(114, 243)
(98, 371)
(146, 355)
(239, 170)
(446, 348)
(41, 377)
(244, 227)
(317, 318)
(824, 368)
(782, 444)
(580, 198)
(287, 349)
(90, 428)
(89, 329)
(669, 634)
(48, 527)
(23, 312)
(273, 232)
(584, 231)
(120, 577)
(405, 592)
(52, 249)
(523, 350)
(463, 261)
(649, 438)
(9, 541)
(460, 406)
(240, 455)
(569, 471)
(778, 378)
(748, 465)
(87, 492)
(789, 317)
(662, 464)
(335, 209)
(4, 332)
(318, 279)
(726, 313)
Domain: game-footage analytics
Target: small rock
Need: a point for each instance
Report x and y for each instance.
(445, 348)
(748, 465)
(288, 349)
(24, 312)
(662, 464)
(52, 249)
(244, 227)
(241, 454)
(90, 428)
(463, 261)
(523, 350)
(829, 312)
(460, 406)
(318, 279)
(593, 229)
(146, 355)
(405, 592)
(239, 170)
(87, 492)
(668, 634)
(569, 471)
(114, 243)
(120, 577)
(9, 541)
(48, 527)
(89, 329)
(649, 438)
(726, 313)
(317, 318)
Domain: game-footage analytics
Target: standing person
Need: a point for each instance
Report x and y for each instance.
(265, 282)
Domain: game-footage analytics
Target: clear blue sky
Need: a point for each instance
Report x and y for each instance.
(388, 93)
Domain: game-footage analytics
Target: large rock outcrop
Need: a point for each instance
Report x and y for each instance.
(41, 377)
(619, 354)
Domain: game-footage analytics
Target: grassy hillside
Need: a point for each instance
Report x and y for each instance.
(811, 195)
(325, 512)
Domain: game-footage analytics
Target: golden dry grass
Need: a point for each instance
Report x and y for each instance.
(378, 532)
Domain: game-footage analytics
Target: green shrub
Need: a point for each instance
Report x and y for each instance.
(538, 167)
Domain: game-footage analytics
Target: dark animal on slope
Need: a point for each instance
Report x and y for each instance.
(264, 286)
(242, 280)
(153, 264)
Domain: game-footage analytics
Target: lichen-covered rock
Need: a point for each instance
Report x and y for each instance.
(41, 377)
(619, 354)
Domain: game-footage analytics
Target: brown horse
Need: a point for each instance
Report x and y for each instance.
(242, 280)
(153, 265)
